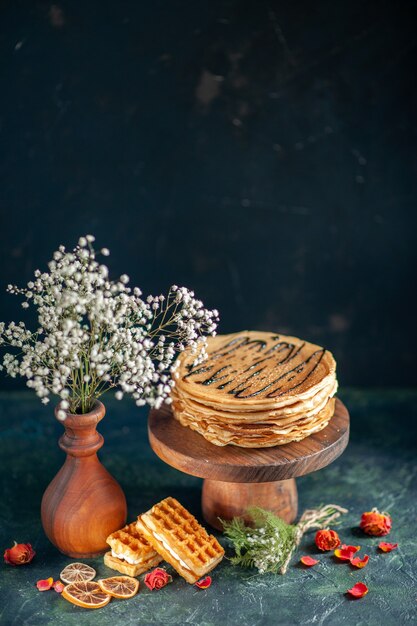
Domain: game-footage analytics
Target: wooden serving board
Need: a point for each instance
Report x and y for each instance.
(240, 477)
(189, 452)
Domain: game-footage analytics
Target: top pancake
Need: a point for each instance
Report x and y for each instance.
(256, 369)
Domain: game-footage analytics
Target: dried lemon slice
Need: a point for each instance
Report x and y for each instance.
(119, 586)
(86, 594)
(77, 572)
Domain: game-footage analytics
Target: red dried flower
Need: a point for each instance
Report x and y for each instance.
(376, 523)
(157, 579)
(45, 585)
(308, 560)
(327, 539)
(58, 586)
(387, 547)
(358, 562)
(204, 583)
(19, 554)
(345, 553)
(358, 591)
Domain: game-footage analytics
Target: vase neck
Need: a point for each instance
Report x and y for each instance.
(81, 437)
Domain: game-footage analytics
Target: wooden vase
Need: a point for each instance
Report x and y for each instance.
(83, 504)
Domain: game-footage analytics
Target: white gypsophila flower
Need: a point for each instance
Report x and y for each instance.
(96, 334)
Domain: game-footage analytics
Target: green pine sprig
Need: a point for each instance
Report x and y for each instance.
(264, 545)
(268, 542)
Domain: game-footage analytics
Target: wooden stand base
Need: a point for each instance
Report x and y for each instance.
(236, 478)
(227, 500)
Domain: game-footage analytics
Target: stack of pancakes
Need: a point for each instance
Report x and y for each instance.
(255, 390)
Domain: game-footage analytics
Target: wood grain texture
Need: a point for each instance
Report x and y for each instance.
(83, 504)
(189, 452)
(226, 500)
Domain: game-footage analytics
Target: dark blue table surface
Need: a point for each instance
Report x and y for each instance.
(377, 469)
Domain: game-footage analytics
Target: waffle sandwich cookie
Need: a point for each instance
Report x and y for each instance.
(177, 536)
(256, 389)
(131, 553)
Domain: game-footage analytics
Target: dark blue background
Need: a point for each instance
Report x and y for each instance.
(261, 153)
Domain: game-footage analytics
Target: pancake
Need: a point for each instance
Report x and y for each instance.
(254, 368)
(288, 413)
(258, 435)
(255, 389)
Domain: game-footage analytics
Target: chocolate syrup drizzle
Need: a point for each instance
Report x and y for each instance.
(248, 387)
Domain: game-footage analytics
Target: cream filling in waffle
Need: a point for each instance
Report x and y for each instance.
(169, 549)
(125, 557)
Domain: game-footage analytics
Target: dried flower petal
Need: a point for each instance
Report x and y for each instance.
(358, 591)
(375, 523)
(204, 583)
(308, 560)
(358, 562)
(58, 586)
(44, 585)
(345, 553)
(327, 539)
(387, 547)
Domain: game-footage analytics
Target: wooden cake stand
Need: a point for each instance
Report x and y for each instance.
(236, 478)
